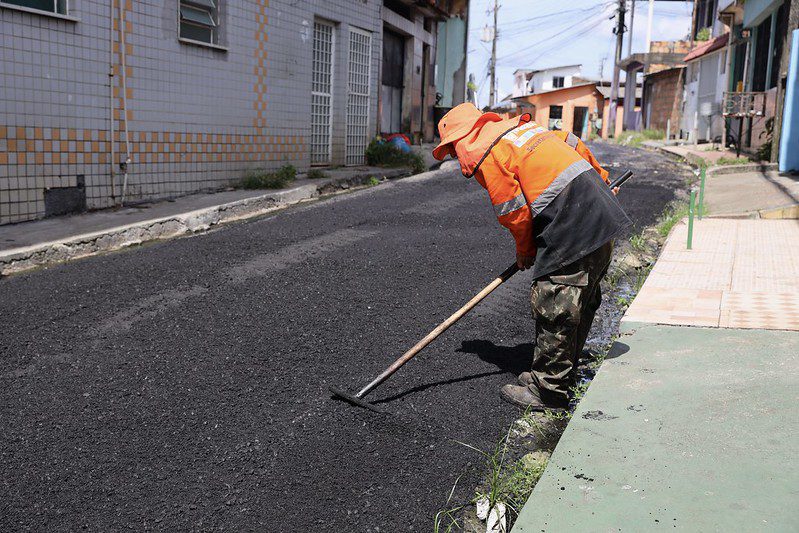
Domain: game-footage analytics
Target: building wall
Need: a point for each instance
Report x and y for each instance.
(198, 117)
(663, 99)
(759, 135)
(520, 87)
(619, 119)
(451, 61)
(585, 96)
(542, 81)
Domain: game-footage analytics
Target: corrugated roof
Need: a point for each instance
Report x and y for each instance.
(711, 46)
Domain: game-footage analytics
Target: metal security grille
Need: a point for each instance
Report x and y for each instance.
(358, 96)
(321, 93)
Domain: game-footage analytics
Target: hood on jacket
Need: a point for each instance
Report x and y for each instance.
(473, 147)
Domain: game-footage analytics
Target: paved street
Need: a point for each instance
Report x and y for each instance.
(183, 385)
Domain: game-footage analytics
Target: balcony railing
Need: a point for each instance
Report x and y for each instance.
(744, 104)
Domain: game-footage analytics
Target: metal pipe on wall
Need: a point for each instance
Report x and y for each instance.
(122, 53)
(111, 94)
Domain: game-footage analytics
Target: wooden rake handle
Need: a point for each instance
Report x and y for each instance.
(441, 328)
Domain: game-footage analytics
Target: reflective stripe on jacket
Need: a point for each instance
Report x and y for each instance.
(523, 166)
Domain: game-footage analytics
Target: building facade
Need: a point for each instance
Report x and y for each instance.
(706, 81)
(110, 101)
(532, 81)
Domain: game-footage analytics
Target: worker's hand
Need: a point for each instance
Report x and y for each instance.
(524, 261)
(615, 190)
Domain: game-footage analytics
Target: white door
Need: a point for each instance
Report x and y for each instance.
(321, 93)
(360, 60)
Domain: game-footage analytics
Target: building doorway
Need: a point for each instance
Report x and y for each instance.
(580, 121)
(393, 74)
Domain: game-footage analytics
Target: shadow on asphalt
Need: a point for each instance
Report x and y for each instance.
(508, 359)
(420, 388)
(513, 359)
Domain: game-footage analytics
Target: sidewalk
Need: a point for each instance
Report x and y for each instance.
(38, 243)
(691, 422)
(766, 194)
(750, 190)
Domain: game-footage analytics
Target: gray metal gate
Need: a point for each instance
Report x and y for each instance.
(360, 59)
(321, 93)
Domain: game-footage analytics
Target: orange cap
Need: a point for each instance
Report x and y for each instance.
(457, 124)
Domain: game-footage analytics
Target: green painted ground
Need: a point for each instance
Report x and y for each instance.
(686, 428)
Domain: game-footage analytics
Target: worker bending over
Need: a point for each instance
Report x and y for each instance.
(551, 193)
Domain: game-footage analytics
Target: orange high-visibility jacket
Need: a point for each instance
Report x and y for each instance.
(523, 166)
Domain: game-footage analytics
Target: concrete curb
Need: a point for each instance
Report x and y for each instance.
(737, 169)
(713, 170)
(88, 244)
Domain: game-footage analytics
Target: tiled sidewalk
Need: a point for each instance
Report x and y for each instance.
(739, 274)
(687, 427)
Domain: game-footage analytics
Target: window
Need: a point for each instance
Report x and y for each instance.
(51, 6)
(199, 20)
(705, 12)
(557, 81)
(555, 117)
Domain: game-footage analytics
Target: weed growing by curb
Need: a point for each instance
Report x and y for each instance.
(448, 513)
(732, 161)
(638, 242)
(262, 179)
(670, 217)
(316, 174)
(508, 483)
(386, 155)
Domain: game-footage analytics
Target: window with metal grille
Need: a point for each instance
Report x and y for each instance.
(321, 92)
(50, 6)
(199, 20)
(555, 117)
(358, 95)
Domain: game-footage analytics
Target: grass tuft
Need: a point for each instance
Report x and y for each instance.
(670, 217)
(509, 483)
(262, 179)
(637, 138)
(316, 174)
(638, 242)
(732, 161)
(446, 519)
(383, 154)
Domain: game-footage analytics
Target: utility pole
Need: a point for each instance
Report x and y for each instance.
(614, 88)
(493, 74)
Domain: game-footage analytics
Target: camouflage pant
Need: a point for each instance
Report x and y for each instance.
(564, 303)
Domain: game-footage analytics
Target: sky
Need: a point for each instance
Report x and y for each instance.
(548, 33)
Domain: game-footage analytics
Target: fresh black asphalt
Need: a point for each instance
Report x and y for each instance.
(183, 385)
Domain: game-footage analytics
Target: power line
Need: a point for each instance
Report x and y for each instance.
(557, 38)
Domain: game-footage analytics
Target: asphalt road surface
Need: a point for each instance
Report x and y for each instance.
(183, 385)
